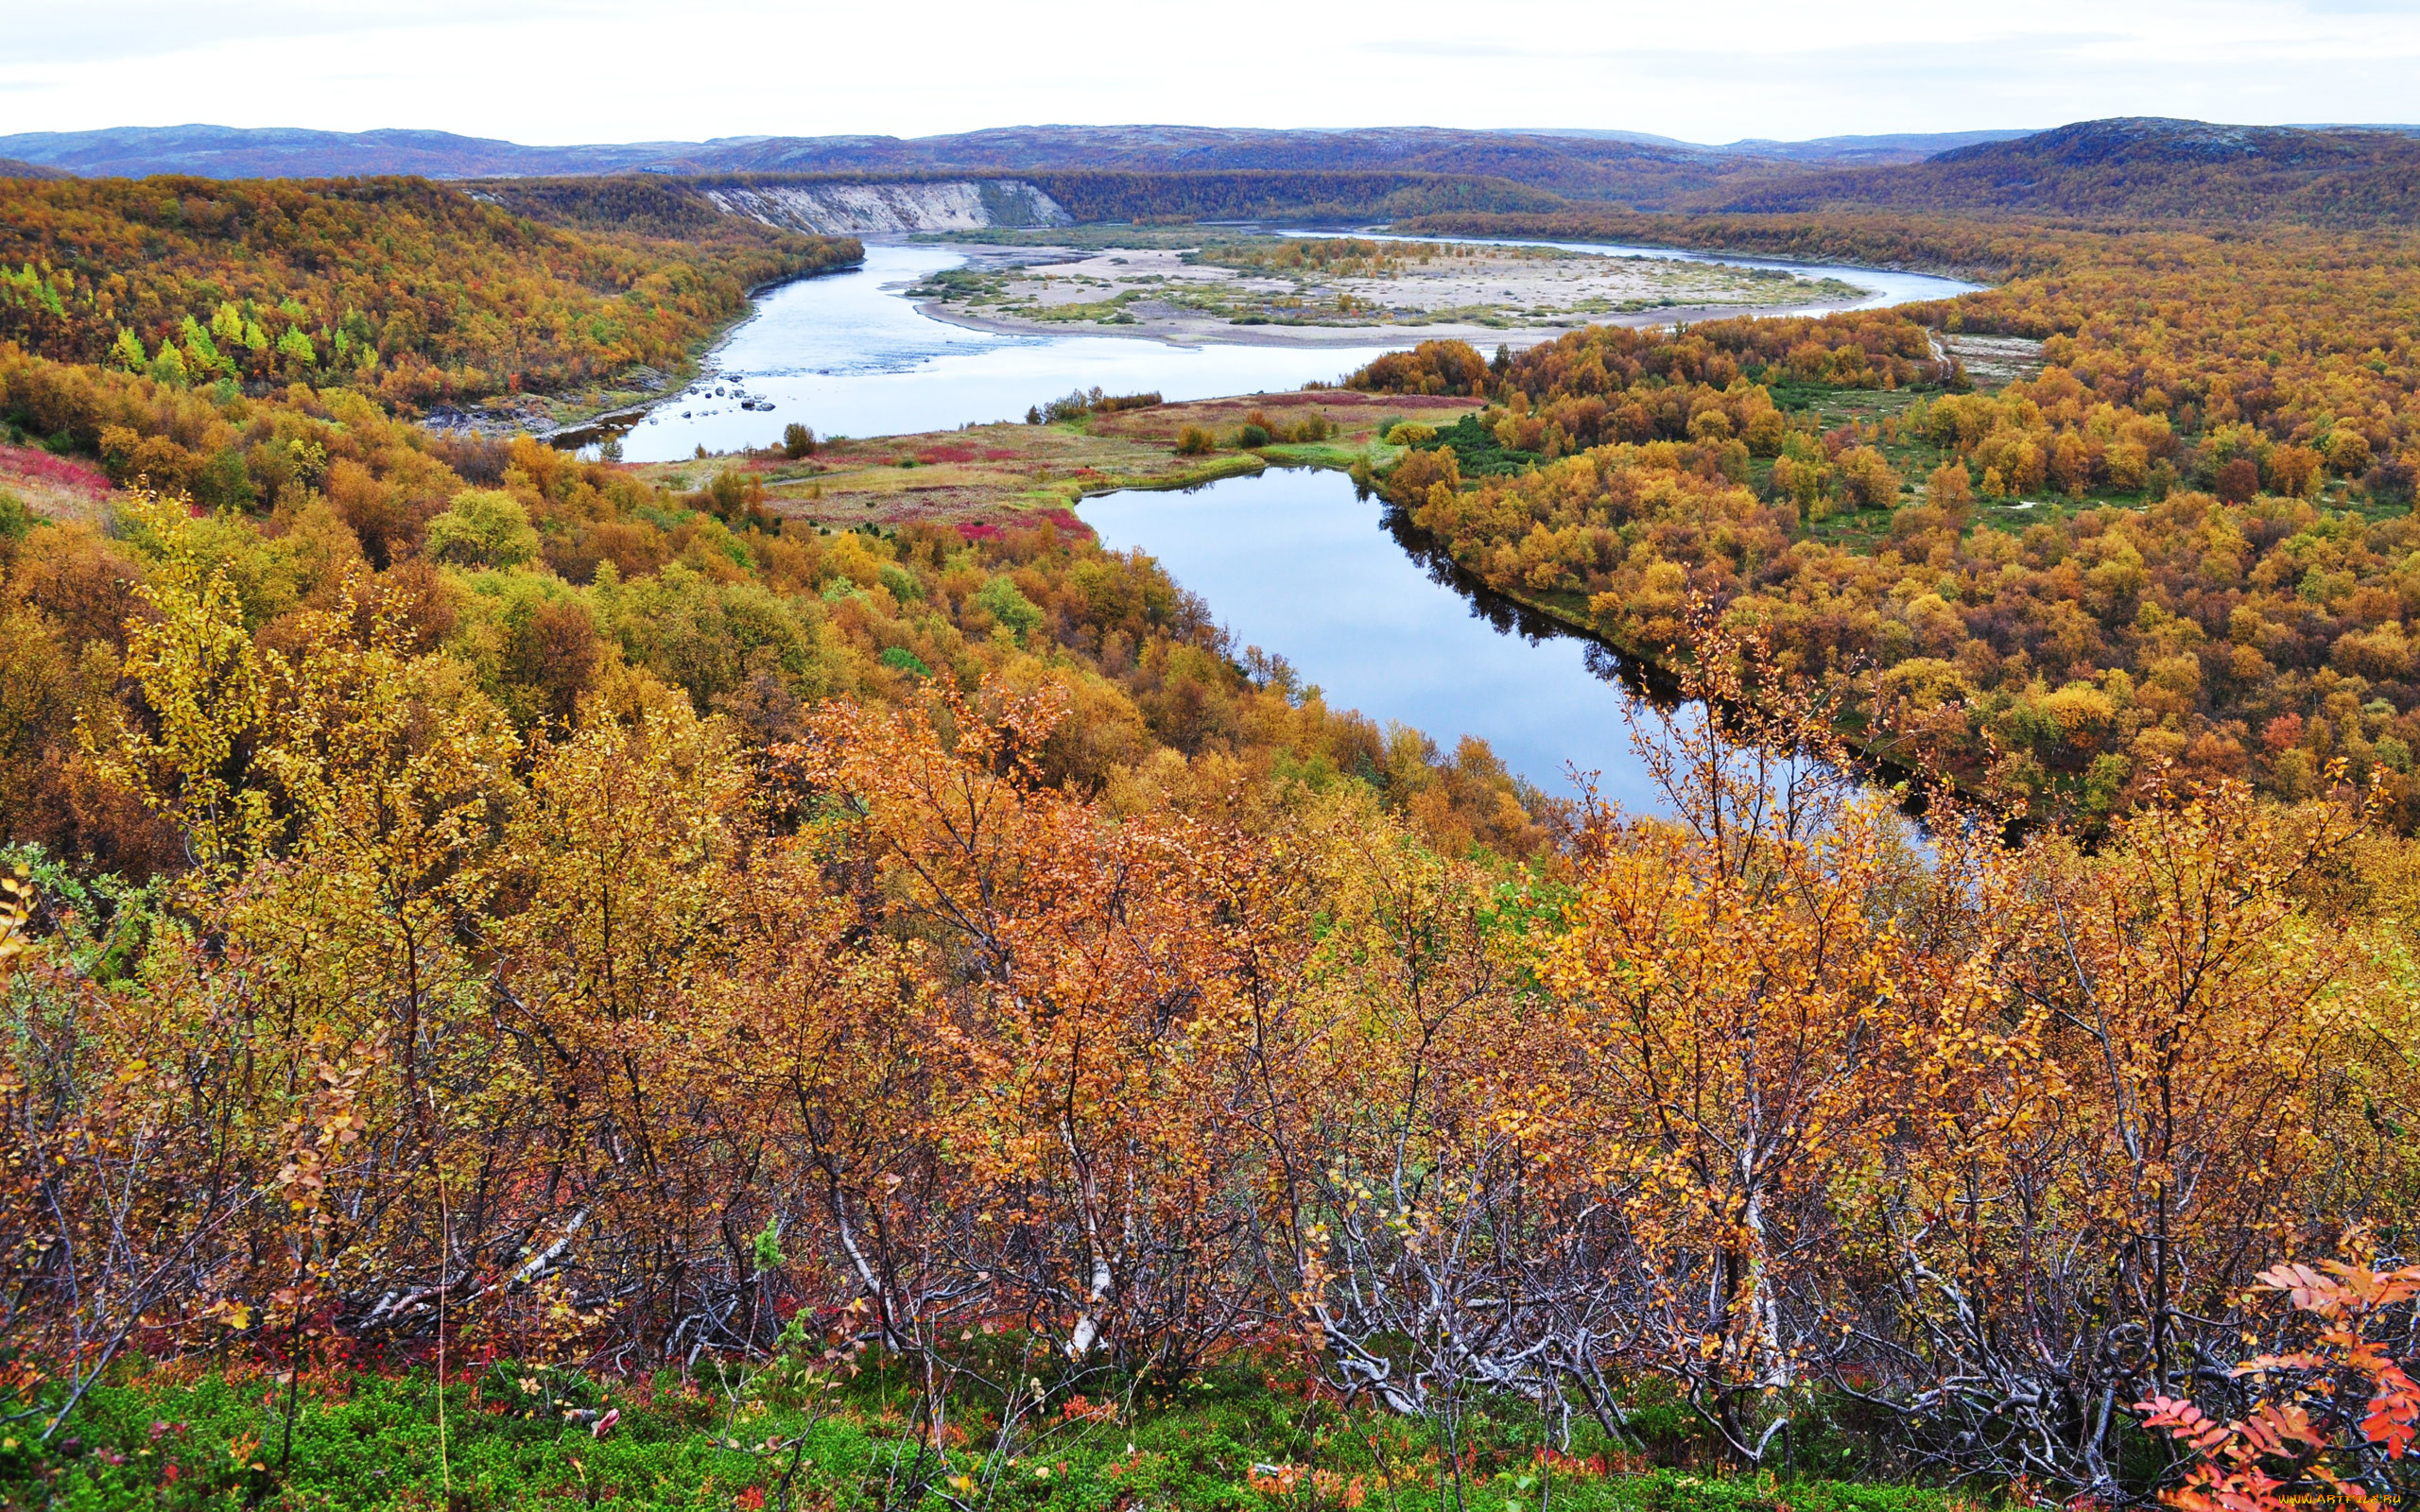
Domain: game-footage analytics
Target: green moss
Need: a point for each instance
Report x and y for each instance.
(521, 1437)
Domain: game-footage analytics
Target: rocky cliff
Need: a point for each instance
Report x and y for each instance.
(860, 209)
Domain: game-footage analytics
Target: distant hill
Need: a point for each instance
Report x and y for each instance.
(14, 168)
(2131, 168)
(1619, 166)
(1864, 151)
(1908, 146)
(288, 152)
(1595, 168)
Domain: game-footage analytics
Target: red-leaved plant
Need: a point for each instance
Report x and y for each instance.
(2337, 1418)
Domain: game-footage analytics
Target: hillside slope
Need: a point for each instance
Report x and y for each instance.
(397, 286)
(291, 152)
(1576, 167)
(1625, 166)
(2133, 169)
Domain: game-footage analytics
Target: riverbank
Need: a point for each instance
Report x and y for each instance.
(1348, 290)
(1204, 330)
(614, 406)
(998, 474)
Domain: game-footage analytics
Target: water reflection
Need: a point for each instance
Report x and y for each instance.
(1381, 621)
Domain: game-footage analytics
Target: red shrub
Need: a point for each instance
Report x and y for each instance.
(30, 462)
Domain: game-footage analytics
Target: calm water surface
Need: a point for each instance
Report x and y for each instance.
(1296, 563)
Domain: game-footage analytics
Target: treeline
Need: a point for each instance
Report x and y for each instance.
(650, 205)
(398, 287)
(1981, 250)
(2217, 617)
(1278, 195)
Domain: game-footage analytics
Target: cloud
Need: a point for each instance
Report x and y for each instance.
(617, 70)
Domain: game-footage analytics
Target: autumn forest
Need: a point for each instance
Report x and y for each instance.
(530, 977)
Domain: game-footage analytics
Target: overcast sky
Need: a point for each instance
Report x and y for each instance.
(554, 70)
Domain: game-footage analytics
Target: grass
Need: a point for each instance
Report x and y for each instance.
(989, 473)
(1241, 1437)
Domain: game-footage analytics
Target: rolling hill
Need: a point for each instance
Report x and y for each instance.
(2141, 169)
(1627, 166)
(2137, 169)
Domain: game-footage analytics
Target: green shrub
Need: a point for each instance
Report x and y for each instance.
(1000, 598)
(483, 528)
(223, 483)
(1251, 435)
(733, 495)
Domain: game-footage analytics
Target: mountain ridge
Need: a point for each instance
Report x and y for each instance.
(2119, 167)
(2137, 168)
(218, 151)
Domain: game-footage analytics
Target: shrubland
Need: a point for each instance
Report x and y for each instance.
(623, 995)
(546, 582)
(619, 1045)
(2180, 546)
(398, 287)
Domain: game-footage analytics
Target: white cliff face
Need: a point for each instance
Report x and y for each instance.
(856, 209)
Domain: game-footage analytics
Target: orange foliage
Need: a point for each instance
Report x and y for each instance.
(401, 287)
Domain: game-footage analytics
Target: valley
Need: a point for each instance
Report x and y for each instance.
(1197, 820)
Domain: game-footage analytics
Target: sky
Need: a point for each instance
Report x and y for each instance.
(556, 71)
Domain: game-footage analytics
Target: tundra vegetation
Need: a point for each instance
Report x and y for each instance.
(402, 290)
(2174, 537)
(993, 476)
(534, 979)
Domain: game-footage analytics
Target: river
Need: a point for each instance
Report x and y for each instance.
(849, 354)
(1295, 562)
